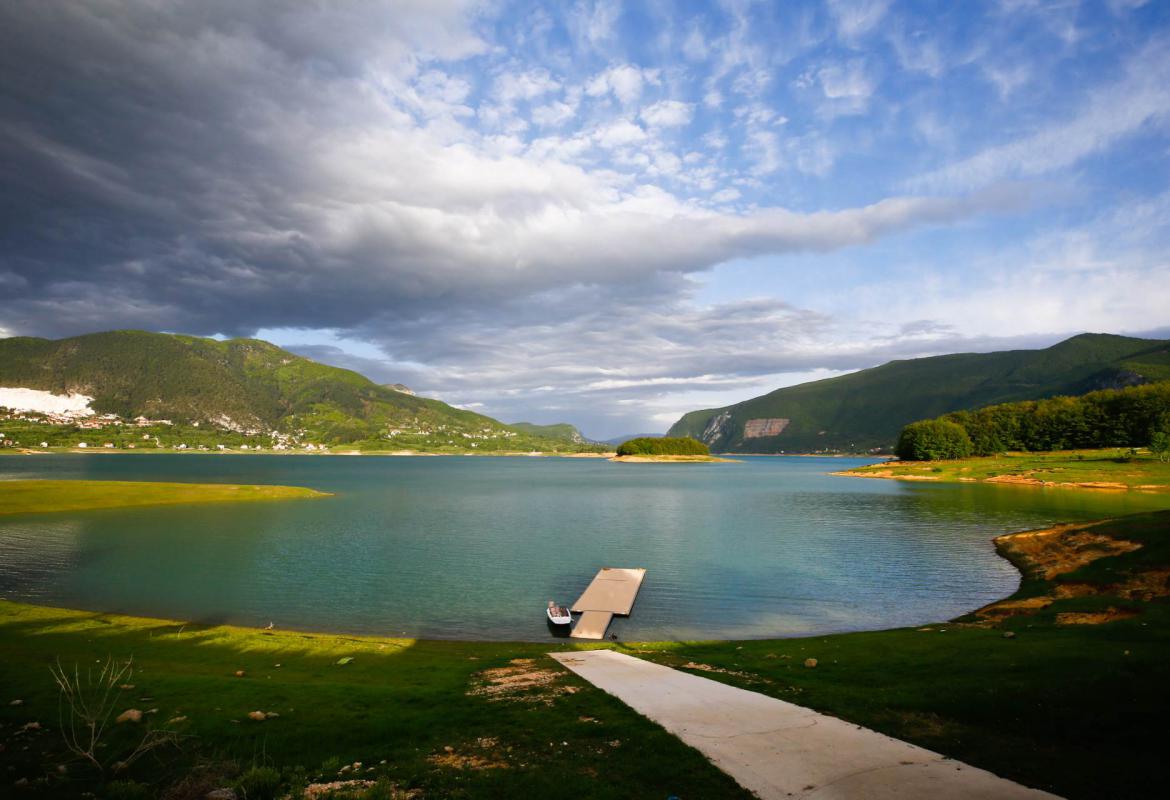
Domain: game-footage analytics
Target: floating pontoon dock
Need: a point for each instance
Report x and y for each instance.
(612, 591)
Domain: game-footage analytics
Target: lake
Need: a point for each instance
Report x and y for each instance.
(474, 547)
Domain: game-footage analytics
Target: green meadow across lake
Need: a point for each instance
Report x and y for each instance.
(41, 496)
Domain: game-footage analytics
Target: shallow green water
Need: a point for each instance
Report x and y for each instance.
(475, 547)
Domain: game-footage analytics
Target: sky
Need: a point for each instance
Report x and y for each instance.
(601, 212)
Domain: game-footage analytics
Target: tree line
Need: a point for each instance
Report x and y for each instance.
(665, 446)
(1138, 416)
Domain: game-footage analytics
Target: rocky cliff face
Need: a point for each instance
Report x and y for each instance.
(718, 430)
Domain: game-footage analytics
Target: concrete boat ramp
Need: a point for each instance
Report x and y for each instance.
(780, 750)
(612, 591)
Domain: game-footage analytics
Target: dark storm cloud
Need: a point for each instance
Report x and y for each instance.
(227, 166)
(154, 166)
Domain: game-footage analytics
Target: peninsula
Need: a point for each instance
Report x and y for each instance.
(1109, 469)
(43, 496)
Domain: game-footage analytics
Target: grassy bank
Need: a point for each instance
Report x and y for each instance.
(515, 723)
(1024, 688)
(37, 496)
(1090, 469)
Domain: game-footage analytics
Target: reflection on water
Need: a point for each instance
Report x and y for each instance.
(475, 547)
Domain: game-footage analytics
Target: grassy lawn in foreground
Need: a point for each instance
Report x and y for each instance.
(37, 496)
(514, 728)
(1115, 469)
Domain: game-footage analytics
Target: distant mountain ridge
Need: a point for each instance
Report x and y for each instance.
(559, 430)
(865, 410)
(244, 385)
(628, 436)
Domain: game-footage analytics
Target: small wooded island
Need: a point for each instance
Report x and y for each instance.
(666, 448)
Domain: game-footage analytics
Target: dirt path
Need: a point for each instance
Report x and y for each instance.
(780, 750)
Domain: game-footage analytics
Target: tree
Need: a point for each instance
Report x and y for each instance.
(933, 440)
(664, 446)
(1160, 438)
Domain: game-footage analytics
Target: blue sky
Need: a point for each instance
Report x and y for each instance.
(598, 212)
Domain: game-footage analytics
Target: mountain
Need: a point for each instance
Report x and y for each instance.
(560, 430)
(627, 437)
(865, 410)
(246, 385)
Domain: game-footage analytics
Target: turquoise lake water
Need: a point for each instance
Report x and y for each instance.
(474, 547)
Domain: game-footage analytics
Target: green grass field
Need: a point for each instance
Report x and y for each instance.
(1112, 468)
(398, 701)
(42, 496)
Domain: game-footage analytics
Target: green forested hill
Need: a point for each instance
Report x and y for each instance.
(867, 409)
(245, 384)
(560, 430)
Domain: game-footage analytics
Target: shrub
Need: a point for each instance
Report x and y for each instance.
(127, 790)
(259, 783)
(1160, 445)
(933, 440)
(666, 446)
(86, 705)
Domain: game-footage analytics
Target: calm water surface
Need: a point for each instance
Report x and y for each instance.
(475, 547)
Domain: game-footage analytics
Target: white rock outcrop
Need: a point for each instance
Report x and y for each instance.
(74, 405)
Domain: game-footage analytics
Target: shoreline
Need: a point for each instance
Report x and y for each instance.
(608, 454)
(1008, 480)
(1003, 548)
(672, 460)
(1105, 470)
(74, 451)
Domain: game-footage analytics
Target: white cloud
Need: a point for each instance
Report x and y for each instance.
(441, 86)
(847, 87)
(695, 46)
(594, 21)
(715, 140)
(1007, 78)
(553, 114)
(918, 52)
(1109, 113)
(668, 113)
(764, 149)
(811, 154)
(512, 86)
(855, 18)
(624, 81)
(619, 133)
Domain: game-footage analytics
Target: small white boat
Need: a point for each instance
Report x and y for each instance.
(558, 615)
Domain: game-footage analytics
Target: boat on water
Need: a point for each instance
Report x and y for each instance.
(558, 615)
